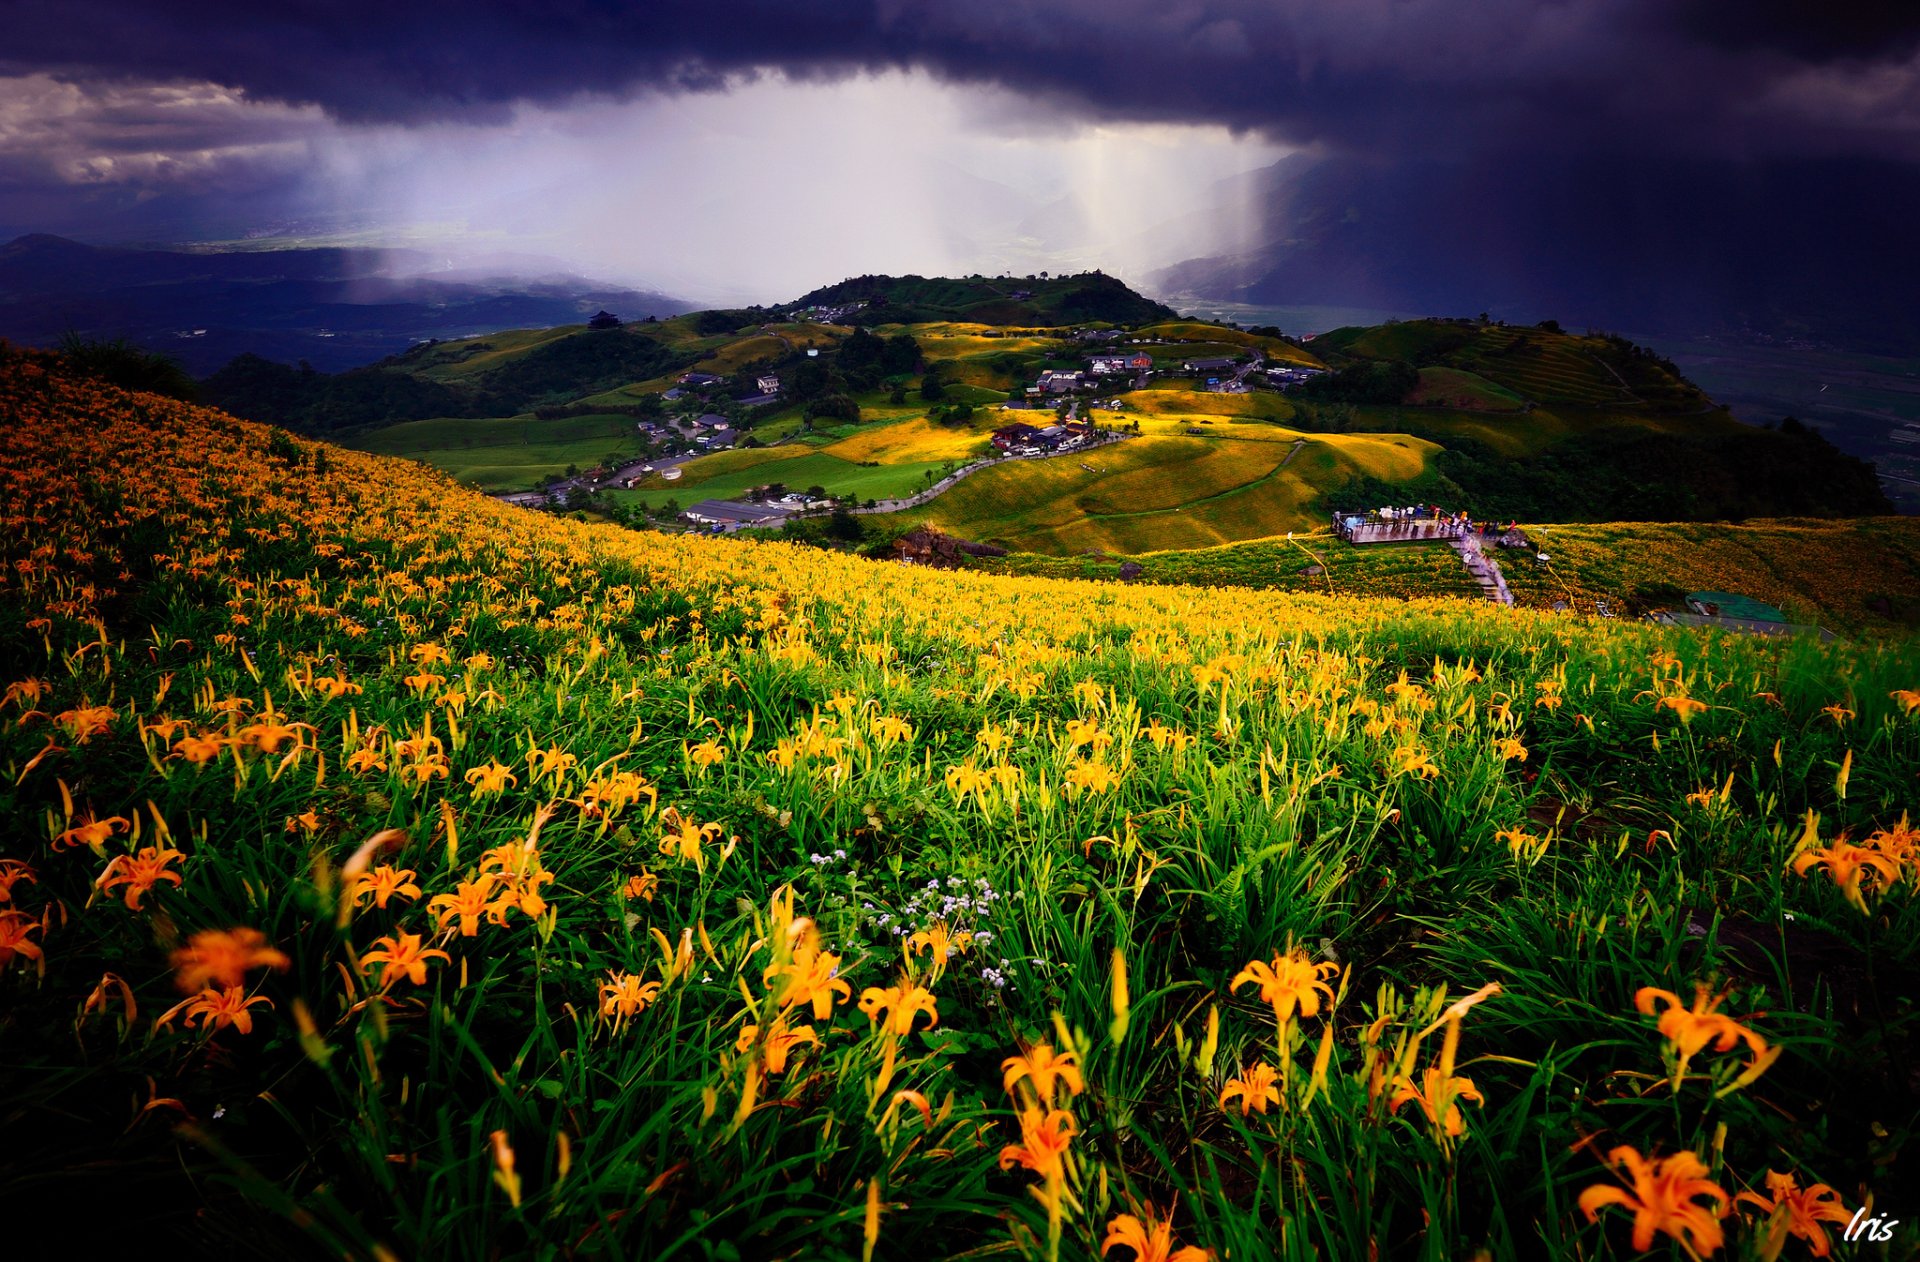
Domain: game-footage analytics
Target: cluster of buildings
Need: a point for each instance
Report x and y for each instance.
(707, 432)
(765, 387)
(721, 516)
(1021, 439)
(1284, 375)
(828, 315)
(1058, 381)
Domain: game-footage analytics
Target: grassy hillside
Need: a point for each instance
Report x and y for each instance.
(1850, 576)
(391, 872)
(507, 453)
(1144, 493)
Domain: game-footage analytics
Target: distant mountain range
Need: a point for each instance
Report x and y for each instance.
(1822, 251)
(334, 308)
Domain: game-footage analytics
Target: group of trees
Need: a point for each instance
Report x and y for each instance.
(548, 375)
(1636, 475)
(1379, 382)
(119, 362)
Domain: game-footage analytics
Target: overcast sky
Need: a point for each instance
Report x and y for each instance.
(753, 150)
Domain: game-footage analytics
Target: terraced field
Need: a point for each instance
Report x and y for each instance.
(1549, 370)
(1166, 489)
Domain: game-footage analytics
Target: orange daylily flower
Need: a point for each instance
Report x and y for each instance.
(383, 883)
(624, 995)
(1151, 1240)
(685, 838)
(91, 832)
(780, 1042)
(473, 900)
(400, 956)
(641, 886)
(1254, 1088)
(12, 871)
(1849, 866)
(199, 749)
(1042, 1069)
(15, 926)
(224, 956)
(140, 872)
(361, 761)
(1690, 1030)
(902, 1003)
(516, 866)
(1664, 1196)
(1433, 1086)
(86, 722)
(1796, 1211)
(1292, 981)
(942, 942)
(811, 979)
(1045, 1136)
(491, 777)
(214, 1010)
(269, 737)
(1685, 707)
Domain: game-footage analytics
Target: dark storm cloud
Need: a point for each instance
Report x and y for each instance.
(1815, 30)
(1387, 76)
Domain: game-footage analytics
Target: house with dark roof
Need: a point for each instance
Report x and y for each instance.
(1018, 434)
(1208, 365)
(698, 379)
(732, 514)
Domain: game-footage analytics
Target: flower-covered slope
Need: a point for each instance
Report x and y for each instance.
(395, 869)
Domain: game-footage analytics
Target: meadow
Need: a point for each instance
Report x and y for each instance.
(1857, 576)
(507, 453)
(390, 872)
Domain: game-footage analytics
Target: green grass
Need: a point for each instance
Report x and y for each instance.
(510, 453)
(1455, 387)
(1399, 572)
(839, 477)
